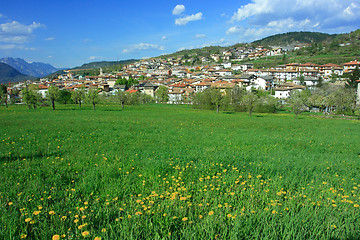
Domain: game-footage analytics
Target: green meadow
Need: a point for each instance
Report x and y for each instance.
(173, 172)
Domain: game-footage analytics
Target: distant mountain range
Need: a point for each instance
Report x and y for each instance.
(10, 74)
(35, 69)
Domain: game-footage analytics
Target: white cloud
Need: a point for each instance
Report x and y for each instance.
(258, 7)
(94, 57)
(49, 39)
(234, 30)
(178, 9)
(289, 23)
(200, 36)
(260, 18)
(163, 37)
(185, 20)
(15, 33)
(17, 28)
(143, 46)
(16, 47)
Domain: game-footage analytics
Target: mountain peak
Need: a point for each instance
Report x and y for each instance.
(35, 69)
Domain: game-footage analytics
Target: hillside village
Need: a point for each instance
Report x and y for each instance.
(222, 71)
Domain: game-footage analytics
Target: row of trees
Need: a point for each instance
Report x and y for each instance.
(33, 98)
(236, 99)
(327, 99)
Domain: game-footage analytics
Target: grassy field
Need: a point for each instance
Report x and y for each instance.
(172, 172)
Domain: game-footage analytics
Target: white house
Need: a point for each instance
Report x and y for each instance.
(226, 65)
(224, 72)
(202, 86)
(284, 90)
(175, 95)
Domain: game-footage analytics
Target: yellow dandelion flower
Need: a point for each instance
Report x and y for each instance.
(185, 219)
(51, 212)
(211, 213)
(103, 230)
(97, 238)
(200, 216)
(56, 237)
(356, 205)
(85, 233)
(10, 203)
(36, 212)
(76, 220)
(28, 220)
(229, 215)
(23, 236)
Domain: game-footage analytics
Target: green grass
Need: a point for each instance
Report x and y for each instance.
(172, 172)
(273, 61)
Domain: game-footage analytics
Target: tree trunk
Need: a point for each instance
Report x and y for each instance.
(296, 115)
(218, 108)
(6, 103)
(122, 105)
(250, 112)
(93, 106)
(80, 103)
(53, 104)
(34, 106)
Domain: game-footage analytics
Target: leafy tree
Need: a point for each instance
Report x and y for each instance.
(92, 96)
(53, 94)
(320, 82)
(344, 100)
(234, 98)
(132, 82)
(216, 98)
(249, 100)
(78, 95)
(121, 81)
(121, 96)
(296, 102)
(351, 82)
(302, 79)
(14, 95)
(31, 97)
(162, 95)
(267, 104)
(64, 96)
(4, 95)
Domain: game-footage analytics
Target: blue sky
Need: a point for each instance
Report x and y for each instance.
(69, 33)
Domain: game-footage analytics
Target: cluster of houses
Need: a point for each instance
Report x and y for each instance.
(183, 81)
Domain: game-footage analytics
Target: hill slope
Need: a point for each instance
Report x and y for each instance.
(102, 64)
(293, 38)
(10, 74)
